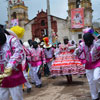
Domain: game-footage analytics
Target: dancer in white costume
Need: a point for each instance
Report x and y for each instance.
(91, 50)
(11, 75)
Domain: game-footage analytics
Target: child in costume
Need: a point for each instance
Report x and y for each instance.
(25, 70)
(91, 49)
(72, 47)
(37, 59)
(57, 51)
(49, 53)
(29, 64)
(11, 75)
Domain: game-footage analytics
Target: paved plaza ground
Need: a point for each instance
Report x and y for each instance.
(59, 89)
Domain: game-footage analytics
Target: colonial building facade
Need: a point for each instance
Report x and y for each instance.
(38, 26)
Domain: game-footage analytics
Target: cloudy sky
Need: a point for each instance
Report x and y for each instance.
(58, 8)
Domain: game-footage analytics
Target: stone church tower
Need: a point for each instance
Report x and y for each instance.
(76, 34)
(19, 11)
(87, 5)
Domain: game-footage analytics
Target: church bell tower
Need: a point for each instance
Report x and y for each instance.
(87, 5)
(19, 11)
(76, 34)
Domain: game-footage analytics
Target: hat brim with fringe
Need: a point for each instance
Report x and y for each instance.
(49, 46)
(26, 44)
(42, 43)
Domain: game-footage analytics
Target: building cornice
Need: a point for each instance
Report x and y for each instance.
(19, 6)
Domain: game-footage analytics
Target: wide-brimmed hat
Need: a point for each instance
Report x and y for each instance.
(26, 44)
(50, 45)
(37, 40)
(42, 43)
(46, 43)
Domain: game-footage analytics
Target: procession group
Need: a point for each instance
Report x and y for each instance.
(21, 61)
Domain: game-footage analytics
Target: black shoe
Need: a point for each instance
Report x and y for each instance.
(79, 76)
(23, 90)
(39, 86)
(28, 90)
(53, 77)
(32, 82)
(46, 75)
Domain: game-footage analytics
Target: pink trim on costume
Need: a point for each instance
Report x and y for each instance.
(13, 48)
(2, 67)
(90, 58)
(13, 62)
(16, 78)
(8, 54)
(36, 63)
(92, 65)
(48, 59)
(98, 48)
(83, 61)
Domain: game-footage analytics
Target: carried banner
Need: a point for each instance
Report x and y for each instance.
(77, 18)
(14, 22)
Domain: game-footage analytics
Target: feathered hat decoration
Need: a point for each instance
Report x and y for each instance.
(88, 30)
(19, 31)
(46, 42)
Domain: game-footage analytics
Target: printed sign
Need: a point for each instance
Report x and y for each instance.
(77, 18)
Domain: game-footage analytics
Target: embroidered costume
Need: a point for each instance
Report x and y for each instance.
(90, 50)
(49, 54)
(66, 63)
(11, 57)
(37, 59)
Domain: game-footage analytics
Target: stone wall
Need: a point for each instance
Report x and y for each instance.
(62, 29)
(28, 31)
